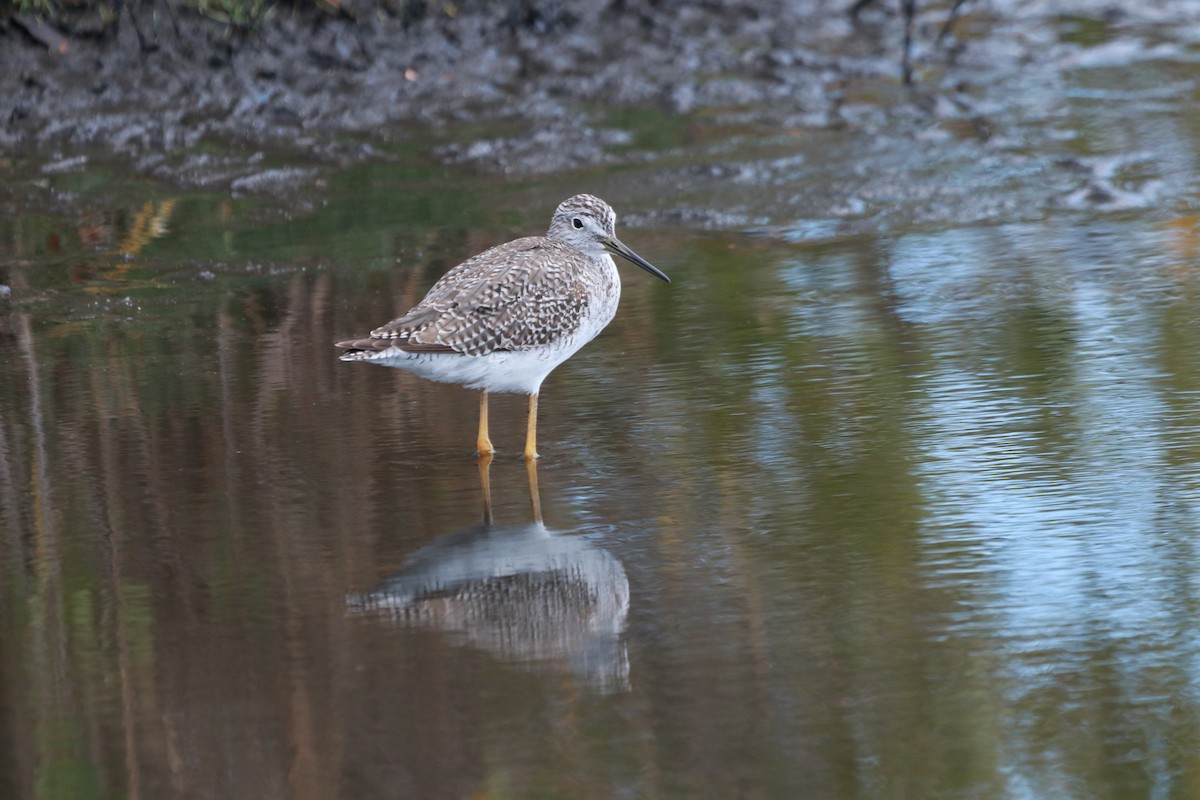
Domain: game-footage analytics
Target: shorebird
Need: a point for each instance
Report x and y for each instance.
(502, 321)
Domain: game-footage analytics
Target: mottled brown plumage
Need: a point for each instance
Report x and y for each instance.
(519, 295)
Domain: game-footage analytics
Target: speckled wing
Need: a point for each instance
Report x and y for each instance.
(516, 296)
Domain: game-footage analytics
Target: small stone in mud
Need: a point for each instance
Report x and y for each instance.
(695, 218)
(65, 165)
(273, 180)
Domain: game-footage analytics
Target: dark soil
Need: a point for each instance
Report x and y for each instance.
(152, 86)
(1022, 107)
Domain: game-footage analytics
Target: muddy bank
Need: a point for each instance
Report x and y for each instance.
(194, 102)
(158, 85)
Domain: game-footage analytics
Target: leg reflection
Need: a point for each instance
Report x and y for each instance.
(485, 485)
(535, 501)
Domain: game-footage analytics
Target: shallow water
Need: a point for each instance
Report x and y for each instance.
(910, 513)
(903, 517)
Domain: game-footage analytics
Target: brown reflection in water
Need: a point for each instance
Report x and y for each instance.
(150, 222)
(148, 628)
(189, 502)
(187, 507)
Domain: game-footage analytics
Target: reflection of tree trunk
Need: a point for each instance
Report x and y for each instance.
(115, 533)
(10, 515)
(312, 770)
(111, 506)
(49, 651)
(133, 770)
(304, 770)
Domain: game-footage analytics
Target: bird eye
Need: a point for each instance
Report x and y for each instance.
(577, 222)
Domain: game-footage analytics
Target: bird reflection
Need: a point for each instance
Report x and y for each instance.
(546, 600)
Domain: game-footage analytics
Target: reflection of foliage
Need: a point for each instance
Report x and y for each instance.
(233, 243)
(149, 223)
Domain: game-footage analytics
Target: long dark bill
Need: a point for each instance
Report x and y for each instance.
(618, 249)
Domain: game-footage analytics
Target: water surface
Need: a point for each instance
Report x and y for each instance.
(903, 513)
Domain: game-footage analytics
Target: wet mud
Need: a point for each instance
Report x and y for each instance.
(195, 103)
(157, 86)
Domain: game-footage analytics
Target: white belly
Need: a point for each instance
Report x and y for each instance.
(515, 371)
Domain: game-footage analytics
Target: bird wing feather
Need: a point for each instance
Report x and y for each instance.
(516, 296)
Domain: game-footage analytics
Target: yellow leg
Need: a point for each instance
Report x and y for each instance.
(531, 429)
(483, 445)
